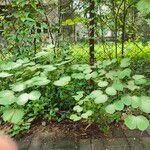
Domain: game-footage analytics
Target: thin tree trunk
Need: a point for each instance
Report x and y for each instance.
(91, 31)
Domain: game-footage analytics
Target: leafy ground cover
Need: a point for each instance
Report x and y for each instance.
(37, 88)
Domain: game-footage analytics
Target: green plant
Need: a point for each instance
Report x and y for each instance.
(116, 94)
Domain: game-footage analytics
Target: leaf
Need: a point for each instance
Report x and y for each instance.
(41, 54)
(119, 105)
(144, 6)
(135, 102)
(87, 114)
(131, 86)
(126, 100)
(74, 117)
(34, 95)
(117, 85)
(18, 87)
(140, 81)
(142, 123)
(95, 94)
(5, 74)
(78, 108)
(110, 108)
(49, 68)
(102, 83)
(111, 91)
(23, 99)
(137, 77)
(78, 76)
(7, 97)
(38, 81)
(13, 115)
(63, 81)
(125, 63)
(101, 99)
(130, 122)
(125, 73)
(145, 104)
(139, 122)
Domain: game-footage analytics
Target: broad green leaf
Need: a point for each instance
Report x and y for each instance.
(63, 81)
(140, 81)
(102, 83)
(74, 117)
(135, 102)
(142, 123)
(119, 105)
(125, 73)
(23, 99)
(101, 99)
(136, 122)
(87, 114)
(125, 63)
(111, 91)
(131, 86)
(144, 6)
(95, 94)
(18, 87)
(7, 97)
(130, 122)
(49, 68)
(78, 76)
(5, 75)
(13, 115)
(138, 77)
(38, 81)
(78, 108)
(34, 95)
(126, 100)
(110, 108)
(145, 104)
(41, 54)
(117, 85)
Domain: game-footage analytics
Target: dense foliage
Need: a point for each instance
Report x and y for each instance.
(44, 73)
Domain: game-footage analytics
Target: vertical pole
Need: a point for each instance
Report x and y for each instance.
(91, 31)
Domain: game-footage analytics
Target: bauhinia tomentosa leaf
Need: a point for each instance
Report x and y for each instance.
(63, 81)
(7, 97)
(13, 115)
(136, 122)
(5, 74)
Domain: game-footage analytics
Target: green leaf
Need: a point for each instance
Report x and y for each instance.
(18, 87)
(34, 95)
(78, 76)
(5, 75)
(125, 73)
(111, 91)
(13, 115)
(63, 81)
(142, 123)
(78, 108)
(110, 108)
(38, 81)
(102, 83)
(138, 77)
(101, 99)
(125, 63)
(23, 99)
(131, 86)
(145, 104)
(87, 114)
(126, 100)
(7, 97)
(140, 81)
(130, 122)
(74, 117)
(119, 105)
(135, 102)
(139, 122)
(95, 94)
(117, 85)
